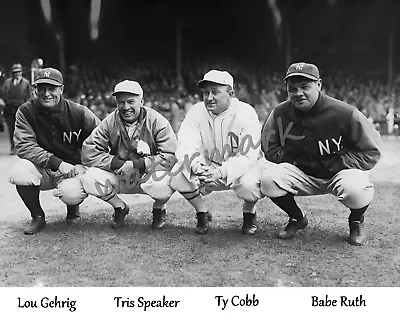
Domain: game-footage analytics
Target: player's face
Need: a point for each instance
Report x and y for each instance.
(48, 94)
(217, 97)
(129, 106)
(303, 92)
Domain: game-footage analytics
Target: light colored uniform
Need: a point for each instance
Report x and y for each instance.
(229, 141)
(25, 173)
(111, 144)
(352, 187)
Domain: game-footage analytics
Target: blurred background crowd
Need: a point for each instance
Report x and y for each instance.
(92, 84)
(170, 46)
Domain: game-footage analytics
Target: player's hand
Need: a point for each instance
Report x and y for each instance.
(210, 176)
(200, 168)
(68, 170)
(126, 168)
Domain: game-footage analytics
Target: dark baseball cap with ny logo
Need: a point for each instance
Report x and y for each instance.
(302, 69)
(50, 76)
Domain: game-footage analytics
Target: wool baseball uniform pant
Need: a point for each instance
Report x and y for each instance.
(25, 173)
(351, 187)
(247, 187)
(105, 184)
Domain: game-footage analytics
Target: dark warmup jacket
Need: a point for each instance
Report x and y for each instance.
(330, 137)
(47, 137)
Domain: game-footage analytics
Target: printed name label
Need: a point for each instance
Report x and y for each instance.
(343, 301)
(237, 301)
(47, 302)
(141, 302)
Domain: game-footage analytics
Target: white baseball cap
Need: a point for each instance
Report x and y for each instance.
(129, 87)
(216, 76)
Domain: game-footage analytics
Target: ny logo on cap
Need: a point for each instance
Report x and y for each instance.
(47, 74)
(300, 66)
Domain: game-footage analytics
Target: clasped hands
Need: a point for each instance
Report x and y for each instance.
(206, 174)
(68, 170)
(127, 169)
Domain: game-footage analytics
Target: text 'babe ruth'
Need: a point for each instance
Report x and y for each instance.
(330, 150)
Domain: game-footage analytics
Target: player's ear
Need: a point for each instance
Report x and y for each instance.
(319, 84)
(231, 92)
(62, 89)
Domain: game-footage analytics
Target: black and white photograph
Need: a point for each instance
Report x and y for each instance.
(200, 144)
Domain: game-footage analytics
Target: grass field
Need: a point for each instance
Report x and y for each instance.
(93, 254)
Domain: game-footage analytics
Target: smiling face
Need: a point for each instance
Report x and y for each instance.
(217, 97)
(129, 106)
(49, 95)
(303, 92)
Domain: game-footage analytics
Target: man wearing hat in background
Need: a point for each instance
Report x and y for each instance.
(318, 145)
(212, 150)
(129, 153)
(15, 91)
(49, 132)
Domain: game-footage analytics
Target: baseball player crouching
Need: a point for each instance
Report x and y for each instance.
(48, 136)
(128, 153)
(328, 147)
(213, 152)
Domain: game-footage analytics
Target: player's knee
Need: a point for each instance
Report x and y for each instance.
(158, 186)
(180, 183)
(249, 188)
(96, 184)
(268, 186)
(25, 173)
(356, 195)
(71, 191)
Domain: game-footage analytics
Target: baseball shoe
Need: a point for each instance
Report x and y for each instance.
(37, 223)
(249, 226)
(203, 219)
(158, 219)
(72, 214)
(292, 227)
(357, 235)
(119, 217)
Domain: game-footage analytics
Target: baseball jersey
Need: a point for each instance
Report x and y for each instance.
(231, 139)
(110, 145)
(328, 138)
(48, 136)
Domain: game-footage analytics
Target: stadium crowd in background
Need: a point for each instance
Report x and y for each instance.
(91, 84)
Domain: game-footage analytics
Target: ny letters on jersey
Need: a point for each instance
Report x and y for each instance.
(330, 146)
(71, 136)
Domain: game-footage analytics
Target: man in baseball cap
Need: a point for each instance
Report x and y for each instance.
(49, 76)
(216, 76)
(302, 69)
(329, 149)
(128, 86)
(218, 124)
(126, 151)
(49, 132)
